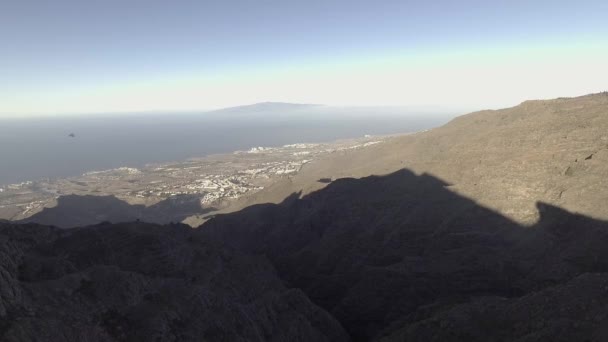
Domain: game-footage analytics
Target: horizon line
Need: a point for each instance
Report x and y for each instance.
(39, 115)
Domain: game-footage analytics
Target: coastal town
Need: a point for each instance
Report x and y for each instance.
(215, 179)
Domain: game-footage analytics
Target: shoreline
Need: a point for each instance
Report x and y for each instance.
(148, 165)
(218, 179)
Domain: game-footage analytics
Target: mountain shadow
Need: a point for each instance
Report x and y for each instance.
(77, 211)
(399, 257)
(385, 253)
(145, 282)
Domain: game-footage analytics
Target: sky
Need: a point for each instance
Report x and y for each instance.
(89, 56)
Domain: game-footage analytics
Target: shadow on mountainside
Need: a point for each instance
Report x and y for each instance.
(386, 254)
(77, 211)
(398, 257)
(145, 282)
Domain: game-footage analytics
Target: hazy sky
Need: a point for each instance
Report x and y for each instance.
(79, 56)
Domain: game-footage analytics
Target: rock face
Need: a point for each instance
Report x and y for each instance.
(142, 282)
(389, 256)
(393, 258)
(574, 311)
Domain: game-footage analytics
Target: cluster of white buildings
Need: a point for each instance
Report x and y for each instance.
(16, 186)
(276, 168)
(261, 149)
(353, 147)
(301, 146)
(221, 193)
(33, 206)
(121, 170)
(289, 168)
(220, 186)
(214, 187)
(219, 182)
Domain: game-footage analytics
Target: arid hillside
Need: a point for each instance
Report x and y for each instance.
(554, 151)
(398, 257)
(144, 282)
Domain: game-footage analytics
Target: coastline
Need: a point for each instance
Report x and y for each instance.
(218, 179)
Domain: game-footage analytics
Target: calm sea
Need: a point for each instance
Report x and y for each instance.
(32, 149)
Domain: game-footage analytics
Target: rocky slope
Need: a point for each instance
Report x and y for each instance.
(572, 311)
(397, 250)
(142, 282)
(394, 258)
(555, 151)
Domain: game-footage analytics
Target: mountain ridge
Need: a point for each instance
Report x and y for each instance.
(375, 251)
(382, 257)
(506, 159)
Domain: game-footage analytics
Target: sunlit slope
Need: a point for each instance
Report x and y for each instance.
(555, 151)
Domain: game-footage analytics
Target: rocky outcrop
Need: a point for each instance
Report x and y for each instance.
(396, 257)
(398, 250)
(574, 311)
(142, 282)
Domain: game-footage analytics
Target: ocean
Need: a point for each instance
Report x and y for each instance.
(32, 149)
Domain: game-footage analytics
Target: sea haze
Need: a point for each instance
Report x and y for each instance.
(32, 149)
